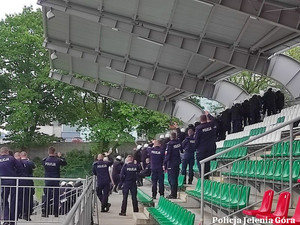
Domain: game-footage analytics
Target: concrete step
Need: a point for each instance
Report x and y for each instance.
(141, 218)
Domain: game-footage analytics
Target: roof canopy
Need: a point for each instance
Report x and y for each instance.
(168, 49)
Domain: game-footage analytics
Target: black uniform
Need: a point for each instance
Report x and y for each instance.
(100, 169)
(144, 173)
(269, 99)
(172, 162)
(246, 112)
(279, 96)
(188, 157)
(226, 121)
(9, 167)
(236, 118)
(157, 155)
(52, 166)
(255, 109)
(128, 178)
(25, 197)
(205, 142)
(117, 167)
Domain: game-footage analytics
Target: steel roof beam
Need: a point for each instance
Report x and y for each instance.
(178, 39)
(114, 93)
(142, 70)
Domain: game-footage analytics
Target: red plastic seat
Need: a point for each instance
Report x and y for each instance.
(298, 181)
(282, 208)
(265, 207)
(296, 216)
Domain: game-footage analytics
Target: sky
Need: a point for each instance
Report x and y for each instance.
(15, 6)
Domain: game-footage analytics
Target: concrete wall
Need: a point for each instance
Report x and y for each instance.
(65, 147)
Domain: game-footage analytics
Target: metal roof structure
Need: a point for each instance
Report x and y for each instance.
(167, 49)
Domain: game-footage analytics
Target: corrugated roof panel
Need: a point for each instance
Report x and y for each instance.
(198, 64)
(87, 3)
(83, 32)
(121, 7)
(150, 12)
(174, 58)
(225, 26)
(85, 67)
(114, 41)
(57, 29)
(144, 50)
(190, 16)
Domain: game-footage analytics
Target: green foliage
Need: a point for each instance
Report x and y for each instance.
(205, 104)
(294, 53)
(253, 83)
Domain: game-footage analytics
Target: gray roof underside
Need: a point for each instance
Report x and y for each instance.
(169, 48)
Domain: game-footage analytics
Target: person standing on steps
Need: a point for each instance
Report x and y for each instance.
(128, 179)
(157, 155)
(101, 171)
(171, 163)
(117, 167)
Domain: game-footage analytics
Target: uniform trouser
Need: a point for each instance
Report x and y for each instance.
(133, 191)
(202, 154)
(51, 200)
(116, 179)
(158, 176)
(271, 110)
(8, 193)
(236, 126)
(173, 174)
(25, 201)
(188, 160)
(103, 193)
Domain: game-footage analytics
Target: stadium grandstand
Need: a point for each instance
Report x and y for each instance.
(157, 53)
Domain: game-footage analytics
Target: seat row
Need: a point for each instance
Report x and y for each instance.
(281, 211)
(278, 170)
(280, 119)
(227, 195)
(143, 198)
(233, 142)
(257, 131)
(234, 154)
(282, 149)
(169, 213)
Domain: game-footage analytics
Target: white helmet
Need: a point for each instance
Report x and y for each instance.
(119, 157)
(146, 145)
(71, 183)
(182, 130)
(162, 136)
(63, 183)
(167, 135)
(139, 147)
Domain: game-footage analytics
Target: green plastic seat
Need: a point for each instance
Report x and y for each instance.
(268, 169)
(143, 198)
(257, 169)
(277, 170)
(296, 152)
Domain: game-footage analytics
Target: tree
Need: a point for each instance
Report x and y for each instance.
(29, 98)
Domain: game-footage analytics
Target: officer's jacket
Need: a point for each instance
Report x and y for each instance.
(188, 145)
(9, 167)
(29, 166)
(205, 136)
(100, 169)
(157, 155)
(52, 166)
(172, 158)
(117, 167)
(129, 173)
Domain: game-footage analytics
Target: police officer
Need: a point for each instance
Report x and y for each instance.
(236, 118)
(26, 194)
(9, 167)
(144, 172)
(157, 155)
(255, 109)
(52, 165)
(188, 145)
(172, 162)
(269, 99)
(128, 178)
(117, 167)
(279, 96)
(246, 112)
(100, 169)
(226, 121)
(205, 140)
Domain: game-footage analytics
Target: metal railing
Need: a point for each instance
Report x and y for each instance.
(29, 200)
(245, 180)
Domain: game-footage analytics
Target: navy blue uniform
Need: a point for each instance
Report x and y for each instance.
(128, 179)
(52, 166)
(117, 167)
(100, 169)
(25, 197)
(188, 157)
(9, 167)
(205, 142)
(157, 155)
(172, 161)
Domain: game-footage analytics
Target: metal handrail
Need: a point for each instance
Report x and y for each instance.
(43, 178)
(71, 214)
(279, 126)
